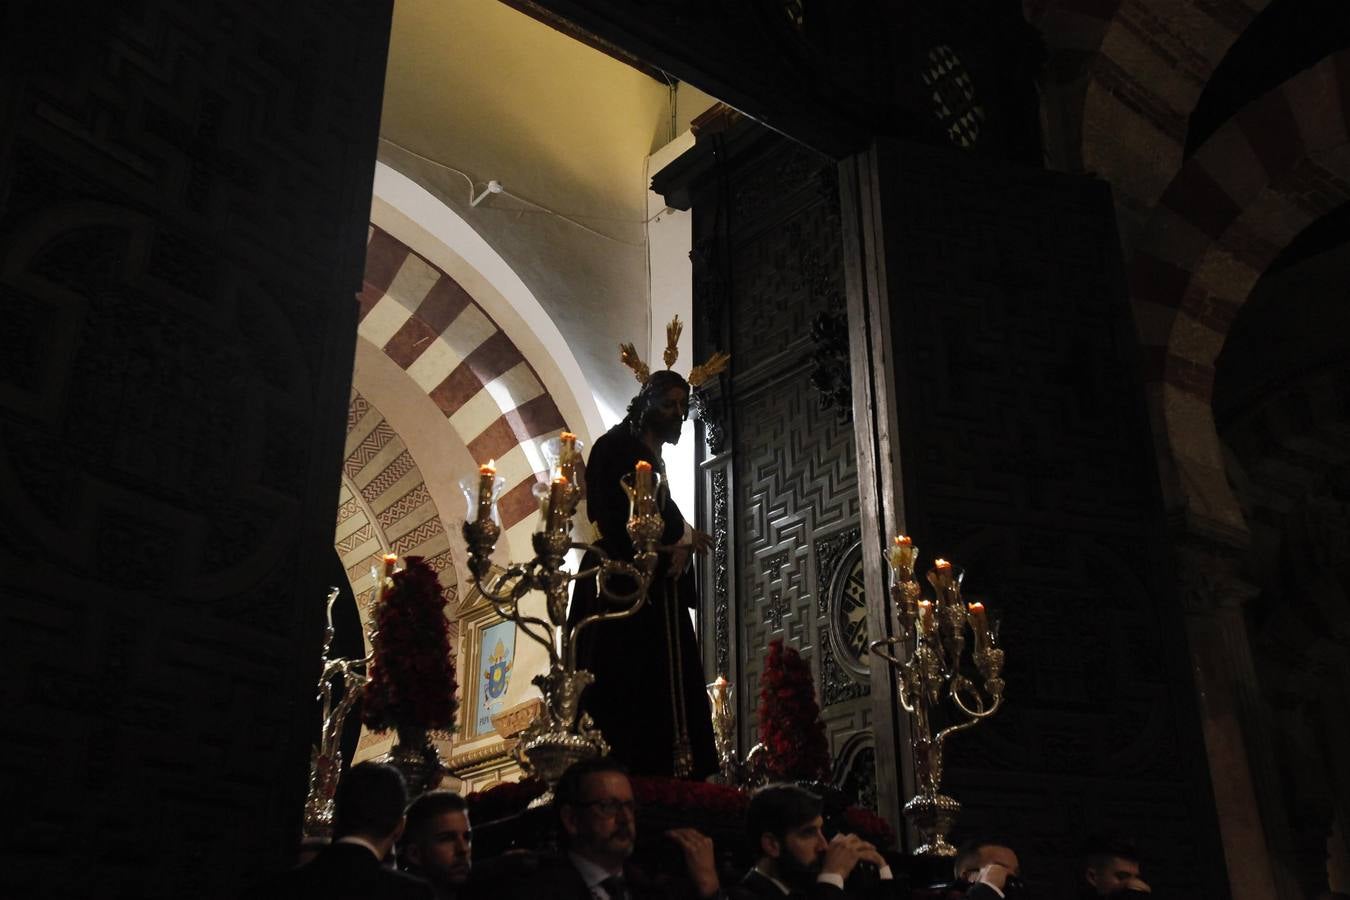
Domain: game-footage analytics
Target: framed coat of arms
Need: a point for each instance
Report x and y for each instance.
(489, 649)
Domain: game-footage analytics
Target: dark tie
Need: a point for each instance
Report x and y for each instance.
(615, 887)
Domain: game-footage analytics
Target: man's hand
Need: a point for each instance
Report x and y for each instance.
(701, 541)
(845, 851)
(993, 875)
(699, 859)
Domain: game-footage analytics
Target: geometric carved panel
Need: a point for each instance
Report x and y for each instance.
(793, 463)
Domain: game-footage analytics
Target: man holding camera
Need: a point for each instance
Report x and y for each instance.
(793, 858)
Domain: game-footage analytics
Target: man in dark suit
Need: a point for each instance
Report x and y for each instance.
(793, 858)
(598, 829)
(368, 819)
(988, 869)
(438, 843)
(1111, 869)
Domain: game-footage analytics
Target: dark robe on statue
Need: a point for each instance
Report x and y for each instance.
(648, 672)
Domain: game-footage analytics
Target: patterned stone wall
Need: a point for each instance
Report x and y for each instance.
(183, 202)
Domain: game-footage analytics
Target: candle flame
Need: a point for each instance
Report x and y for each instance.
(941, 564)
(903, 540)
(643, 466)
(488, 468)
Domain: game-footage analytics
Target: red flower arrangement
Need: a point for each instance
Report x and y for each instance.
(412, 676)
(789, 719)
(505, 798)
(869, 825)
(718, 800)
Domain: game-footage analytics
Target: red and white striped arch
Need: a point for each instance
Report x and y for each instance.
(492, 397)
(1278, 166)
(1130, 76)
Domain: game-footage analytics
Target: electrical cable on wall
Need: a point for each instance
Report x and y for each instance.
(494, 186)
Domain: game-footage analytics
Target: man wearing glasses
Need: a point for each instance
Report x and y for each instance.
(598, 830)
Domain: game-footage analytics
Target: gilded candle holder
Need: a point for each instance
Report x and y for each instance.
(930, 640)
(325, 762)
(562, 734)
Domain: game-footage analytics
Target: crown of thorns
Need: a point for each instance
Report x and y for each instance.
(716, 364)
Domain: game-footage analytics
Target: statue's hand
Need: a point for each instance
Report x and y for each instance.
(701, 541)
(680, 555)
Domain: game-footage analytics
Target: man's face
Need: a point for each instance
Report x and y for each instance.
(666, 414)
(1115, 874)
(800, 852)
(602, 826)
(991, 853)
(445, 854)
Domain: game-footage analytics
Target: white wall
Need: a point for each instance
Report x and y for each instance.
(669, 240)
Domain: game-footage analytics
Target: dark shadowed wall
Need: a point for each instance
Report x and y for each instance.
(184, 192)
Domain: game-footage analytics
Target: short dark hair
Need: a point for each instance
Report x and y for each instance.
(370, 800)
(568, 791)
(427, 807)
(1100, 849)
(777, 809)
(973, 847)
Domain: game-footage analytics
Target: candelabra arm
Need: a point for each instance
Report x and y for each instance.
(328, 631)
(979, 712)
(546, 639)
(325, 697)
(954, 729)
(876, 647)
(638, 598)
(608, 568)
(524, 583)
(352, 682)
(902, 691)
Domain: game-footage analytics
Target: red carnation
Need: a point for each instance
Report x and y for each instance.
(789, 719)
(412, 675)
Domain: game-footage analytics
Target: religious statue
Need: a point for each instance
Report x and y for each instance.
(648, 697)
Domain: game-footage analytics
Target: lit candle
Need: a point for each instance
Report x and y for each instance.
(383, 575)
(979, 624)
(720, 696)
(487, 483)
(557, 502)
(567, 456)
(902, 552)
(925, 618)
(642, 487)
(941, 579)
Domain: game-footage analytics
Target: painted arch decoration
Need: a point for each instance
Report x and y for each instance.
(492, 397)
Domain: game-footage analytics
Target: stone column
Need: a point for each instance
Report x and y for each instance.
(1234, 719)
